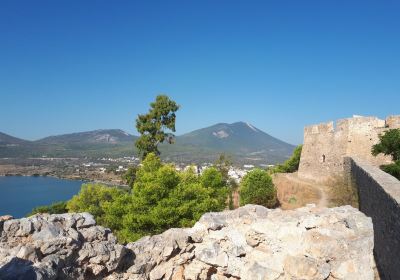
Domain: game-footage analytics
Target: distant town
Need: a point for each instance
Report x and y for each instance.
(105, 170)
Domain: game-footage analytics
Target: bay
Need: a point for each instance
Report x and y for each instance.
(19, 194)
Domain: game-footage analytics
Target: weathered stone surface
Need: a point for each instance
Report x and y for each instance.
(253, 242)
(248, 243)
(66, 246)
(379, 196)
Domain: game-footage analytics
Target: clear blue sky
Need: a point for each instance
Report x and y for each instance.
(68, 66)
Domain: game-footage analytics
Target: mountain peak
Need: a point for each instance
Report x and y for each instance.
(241, 139)
(246, 125)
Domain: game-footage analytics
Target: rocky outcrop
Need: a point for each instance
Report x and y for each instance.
(67, 246)
(251, 242)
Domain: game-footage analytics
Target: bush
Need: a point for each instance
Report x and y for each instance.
(389, 144)
(393, 169)
(257, 188)
(291, 165)
(91, 198)
(164, 198)
(55, 208)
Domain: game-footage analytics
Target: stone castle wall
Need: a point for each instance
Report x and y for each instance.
(379, 198)
(325, 145)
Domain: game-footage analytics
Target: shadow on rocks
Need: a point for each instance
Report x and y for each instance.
(18, 269)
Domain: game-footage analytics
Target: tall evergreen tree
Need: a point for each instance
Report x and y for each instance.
(154, 126)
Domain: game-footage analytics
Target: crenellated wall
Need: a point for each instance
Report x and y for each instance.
(325, 145)
(379, 198)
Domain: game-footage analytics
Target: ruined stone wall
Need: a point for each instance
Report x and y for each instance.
(325, 145)
(379, 198)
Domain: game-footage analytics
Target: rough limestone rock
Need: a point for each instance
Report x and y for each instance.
(67, 246)
(251, 242)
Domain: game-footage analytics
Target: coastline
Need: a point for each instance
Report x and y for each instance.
(22, 171)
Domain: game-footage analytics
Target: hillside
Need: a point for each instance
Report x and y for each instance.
(240, 136)
(101, 136)
(243, 141)
(92, 144)
(7, 140)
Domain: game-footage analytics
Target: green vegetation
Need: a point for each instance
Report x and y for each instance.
(393, 169)
(291, 165)
(55, 208)
(257, 188)
(164, 198)
(292, 200)
(152, 126)
(223, 163)
(161, 198)
(389, 144)
(92, 198)
(130, 176)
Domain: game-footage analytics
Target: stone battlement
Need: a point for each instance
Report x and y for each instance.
(371, 122)
(326, 144)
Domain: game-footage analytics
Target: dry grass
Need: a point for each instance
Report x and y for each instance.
(342, 192)
(294, 193)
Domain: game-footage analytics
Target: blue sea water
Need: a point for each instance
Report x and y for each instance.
(19, 195)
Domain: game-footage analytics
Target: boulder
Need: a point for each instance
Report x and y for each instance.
(67, 246)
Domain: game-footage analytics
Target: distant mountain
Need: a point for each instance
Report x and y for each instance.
(244, 142)
(240, 139)
(93, 144)
(101, 136)
(7, 140)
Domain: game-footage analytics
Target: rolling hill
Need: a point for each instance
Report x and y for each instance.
(7, 140)
(101, 136)
(244, 142)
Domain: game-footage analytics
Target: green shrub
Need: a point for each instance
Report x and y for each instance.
(55, 208)
(393, 169)
(291, 165)
(164, 198)
(129, 176)
(389, 144)
(91, 198)
(257, 188)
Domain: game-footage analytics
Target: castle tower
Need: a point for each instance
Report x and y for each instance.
(325, 145)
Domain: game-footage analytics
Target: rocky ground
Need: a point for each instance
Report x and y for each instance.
(251, 242)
